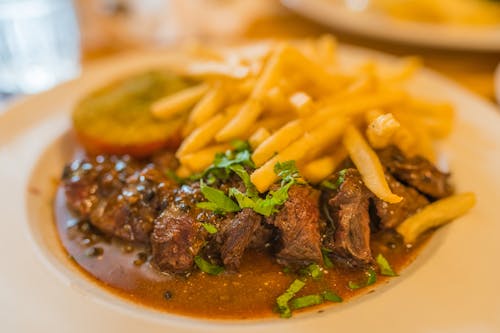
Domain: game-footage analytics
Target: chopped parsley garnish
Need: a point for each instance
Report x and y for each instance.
(334, 186)
(238, 161)
(385, 267)
(371, 279)
(207, 267)
(210, 228)
(289, 175)
(283, 299)
(217, 200)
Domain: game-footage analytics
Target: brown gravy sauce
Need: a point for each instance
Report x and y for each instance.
(125, 270)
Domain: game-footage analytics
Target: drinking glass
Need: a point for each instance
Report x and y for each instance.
(39, 44)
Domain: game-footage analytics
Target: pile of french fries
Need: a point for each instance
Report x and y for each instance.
(294, 101)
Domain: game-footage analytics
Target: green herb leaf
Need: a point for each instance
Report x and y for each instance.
(328, 185)
(313, 270)
(385, 267)
(305, 301)
(207, 267)
(217, 200)
(210, 228)
(240, 145)
(288, 172)
(283, 299)
(331, 296)
(354, 285)
(371, 279)
(327, 262)
(334, 186)
(251, 191)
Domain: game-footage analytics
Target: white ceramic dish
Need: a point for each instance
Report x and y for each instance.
(372, 24)
(451, 287)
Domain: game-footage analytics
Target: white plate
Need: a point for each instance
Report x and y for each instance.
(373, 24)
(451, 287)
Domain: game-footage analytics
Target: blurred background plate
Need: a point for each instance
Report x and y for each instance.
(356, 16)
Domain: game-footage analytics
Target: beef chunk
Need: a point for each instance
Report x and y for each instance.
(391, 215)
(298, 223)
(119, 196)
(237, 234)
(417, 172)
(176, 239)
(349, 209)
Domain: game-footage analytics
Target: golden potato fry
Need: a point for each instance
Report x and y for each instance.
(277, 142)
(200, 160)
(208, 105)
(381, 130)
(171, 105)
(259, 136)
(317, 170)
(435, 215)
(201, 136)
(241, 122)
(252, 109)
(368, 165)
(299, 151)
(301, 103)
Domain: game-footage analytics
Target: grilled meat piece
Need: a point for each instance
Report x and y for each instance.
(391, 215)
(416, 172)
(349, 209)
(237, 235)
(118, 195)
(176, 239)
(298, 224)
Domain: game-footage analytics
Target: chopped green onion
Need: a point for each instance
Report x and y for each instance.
(210, 228)
(207, 267)
(385, 267)
(305, 301)
(327, 262)
(354, 285)
(331, 296)
(371, 279)
(283, 299)
(312, 270)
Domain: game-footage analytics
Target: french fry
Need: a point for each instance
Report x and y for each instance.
(351, 107)
(208, 105)
(317, 170)
(277, 142)
(301, 103)
(381, 130)
(201, 136)
(241, 122)
(171, 105)
(368, 165)
(259, 136)
(436, 214)
(305, 147)
(200, 160)
(253, 108)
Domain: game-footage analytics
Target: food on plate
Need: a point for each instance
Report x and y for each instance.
(455, 12)
(116, 119)
(299, 180)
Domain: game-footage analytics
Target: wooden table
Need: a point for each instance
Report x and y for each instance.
(473, 70)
